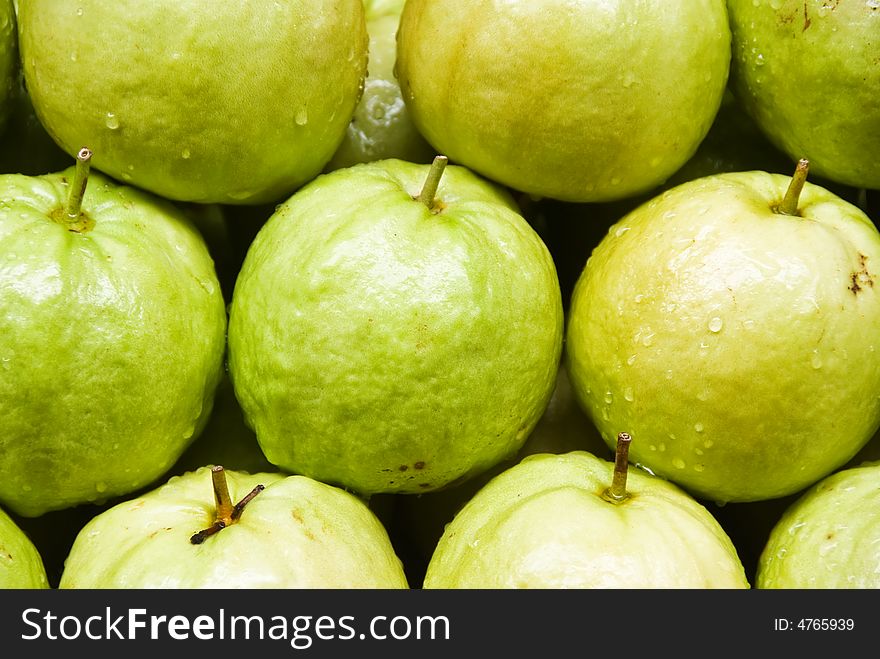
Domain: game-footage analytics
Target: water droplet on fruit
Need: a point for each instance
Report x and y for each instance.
(605, 415)
(678, 463)
(615, 180)
(79, 11)
(662, 447)
(72, 57)
(126, 176)
(759, 60)
(669, 374)
(185, 154)
(620, 231)
(648, 339)
(703, 395)
(698, 451)
(628, 394)
(816, 360)
(111, 121)
(872, 4)
(699, 467)
(749, 324)
(655, 161)
(26, 488)
(175, 55)
(238, 195)
(652, 447)
(708, 443)
(101, 487)
(715, 324)
(609, 397)
(698, 427)
(302, 117)
(631, 360)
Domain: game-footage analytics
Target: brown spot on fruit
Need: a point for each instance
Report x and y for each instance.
(861, 278)
(403, 467)
(419, 465)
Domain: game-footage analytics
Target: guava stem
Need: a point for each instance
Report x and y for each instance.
(77, 190)
(617, 492)
(221, 495)
(226, 513)
(432, 182)
(239, 507)
(789, 205)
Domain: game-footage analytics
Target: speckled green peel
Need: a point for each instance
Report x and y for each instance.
(737, 345)
(112, 334)
(808, 73)
(20, 563)
(544, 524)
(579, 101)
(829, 537)
(386, 346)
(297, 533)
(234, 103)
(8, 61)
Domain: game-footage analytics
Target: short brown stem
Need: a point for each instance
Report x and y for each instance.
(617, 492)
(789, 205)
(226, 513)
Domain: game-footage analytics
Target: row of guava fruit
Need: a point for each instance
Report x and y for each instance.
(443, 295)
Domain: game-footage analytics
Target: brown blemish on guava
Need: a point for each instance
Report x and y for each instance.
(807, 20)
(424, 485)
(829, 535)
(861, 278)
(403, 467)
(299, 519)
(418, 465)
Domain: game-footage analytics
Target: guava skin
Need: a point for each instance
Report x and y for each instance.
(8, 60)
(738, 346)
(545, 524)
(576, 101)
(386, 347)
(829, 537)
(21, 566)
(807, 71)
(111, 341)
(296, 533)
(234, 103)
(381, 126)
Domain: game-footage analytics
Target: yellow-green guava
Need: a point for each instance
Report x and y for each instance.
(737, 344)
(578, 101)
(295, 533)
(547, 523)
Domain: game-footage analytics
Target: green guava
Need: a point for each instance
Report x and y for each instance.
(21, 565)
(386, 340)
(295, 533)
(829, 537)
(112, 335)
(236, 103)
(808, 73)
(381, 126)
